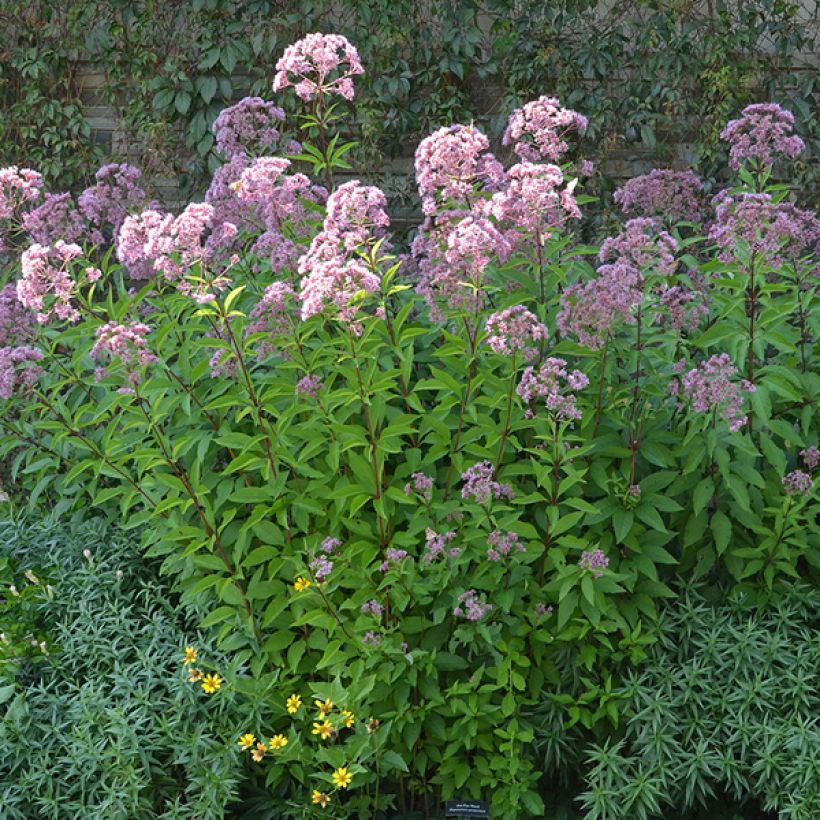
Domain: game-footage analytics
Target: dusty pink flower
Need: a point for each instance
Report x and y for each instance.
(593, 310)
(453, 165)
(682, 307)
(503, 545)
(112, 197)
(56, 218)
(481, 486)
(763, 131)
(45, 275)
(810, 456)
(18, 186)
(318, 65)
(17, 326)
(642, 245)
(309, 386)
(554, 384)
(18, 369)
(249, 126)
(127, 343)
(132, 239)
(798, 483)
(512, 330)
(471, 606)
(436, 545)
(711, 386)
(372, 607)
(422, 484)
(537, 130)
(594, 561)
(673, 194)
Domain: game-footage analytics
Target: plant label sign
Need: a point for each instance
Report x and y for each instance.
(466, 808)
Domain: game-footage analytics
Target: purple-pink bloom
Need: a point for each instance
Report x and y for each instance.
(271, 315)
(18, 186)
(662, 192)
(594, 561)
(127, 343)
(763, 131)
(17, 325)
(810, 456)
(309, 386)
(552, 383)
(109, 200)
(319, 65)
(371, 638)
(17, 368)
(321, 567)
(45, 274)
(436, 545)
(394, 556)
(798, 483)
(471, 606)
(481, 486)
(502, 545)
(330, 545)
(712, 386)
(131, 242)
(249, 126)
(56, 218)
(422, 484)
(510, 330)
(372, 607)
(537, 131)
(453, 165)
(642, 245)
(683, 307)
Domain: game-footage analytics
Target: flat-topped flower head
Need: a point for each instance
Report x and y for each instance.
(19, 370)
(126, 342)
(554, 385)
(453, 165)
(436, 546)
(643, 245)
(511, 330)
(811, 457)
(249, 126)
(108, 202)
(662, 192)
(762, 132)
(537, 130)
(17, 324)
(56, 218)
(18, 186)
(46, 285)
(481, 486)
(211, 683)
(798, 483)
(594, 561)
(293, 703)
(713, 386)
(278, 742)
(342, 778)
(247, 741)
(319, 65)
(471, 606)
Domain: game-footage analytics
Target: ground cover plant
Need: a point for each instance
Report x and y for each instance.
(424, 491)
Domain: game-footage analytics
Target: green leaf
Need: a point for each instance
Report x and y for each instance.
(721, 528)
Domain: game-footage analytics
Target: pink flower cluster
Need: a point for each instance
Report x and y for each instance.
(552, 383)
(271, 315)
(422, 484)
(16, 323)
(107, 203)
(436, 546)
(132, 239)
(45, 274)
(56, 218)
(393, 556)
(471, 606)
(333, 271)
(318, 65)
(127, 343)
(481, 486)
(532, 198)
(810, 456)
(502, 545)
(511, 330)
(682, 307)
(712, 386)
(309, 386)
(674, 194)
(249, 126)
(372, 607)
(18, 186)
(453, 164)
(642, 245)
(594, 561)
(763, 131)
(537, 130)
(798, 483)
(774, 231)
(12, 375)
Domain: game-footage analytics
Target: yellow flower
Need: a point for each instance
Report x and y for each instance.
(342, 778)
(194, 675)
(190, 655)
(348, 718)
(320, 799)
(293, 703)
(301, 584)
(210, 683)
(324, 730)
(246, 741)
(278, 742)
(324, 707)
(259, 752)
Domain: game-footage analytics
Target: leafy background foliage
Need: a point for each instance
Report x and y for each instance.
(653, 73)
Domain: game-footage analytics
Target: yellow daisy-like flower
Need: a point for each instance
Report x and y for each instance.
(324, 707)
(342, 778)
(278, 742)
(259, 752)
(320, 798)
(194, 675)
(190, 655)
(324, 730)
(348, 718)
(246, 741)
(293, 703)
(210, 683)
(301, 584)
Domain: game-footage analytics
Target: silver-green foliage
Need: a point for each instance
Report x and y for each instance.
(108, 724)
(727, 705)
